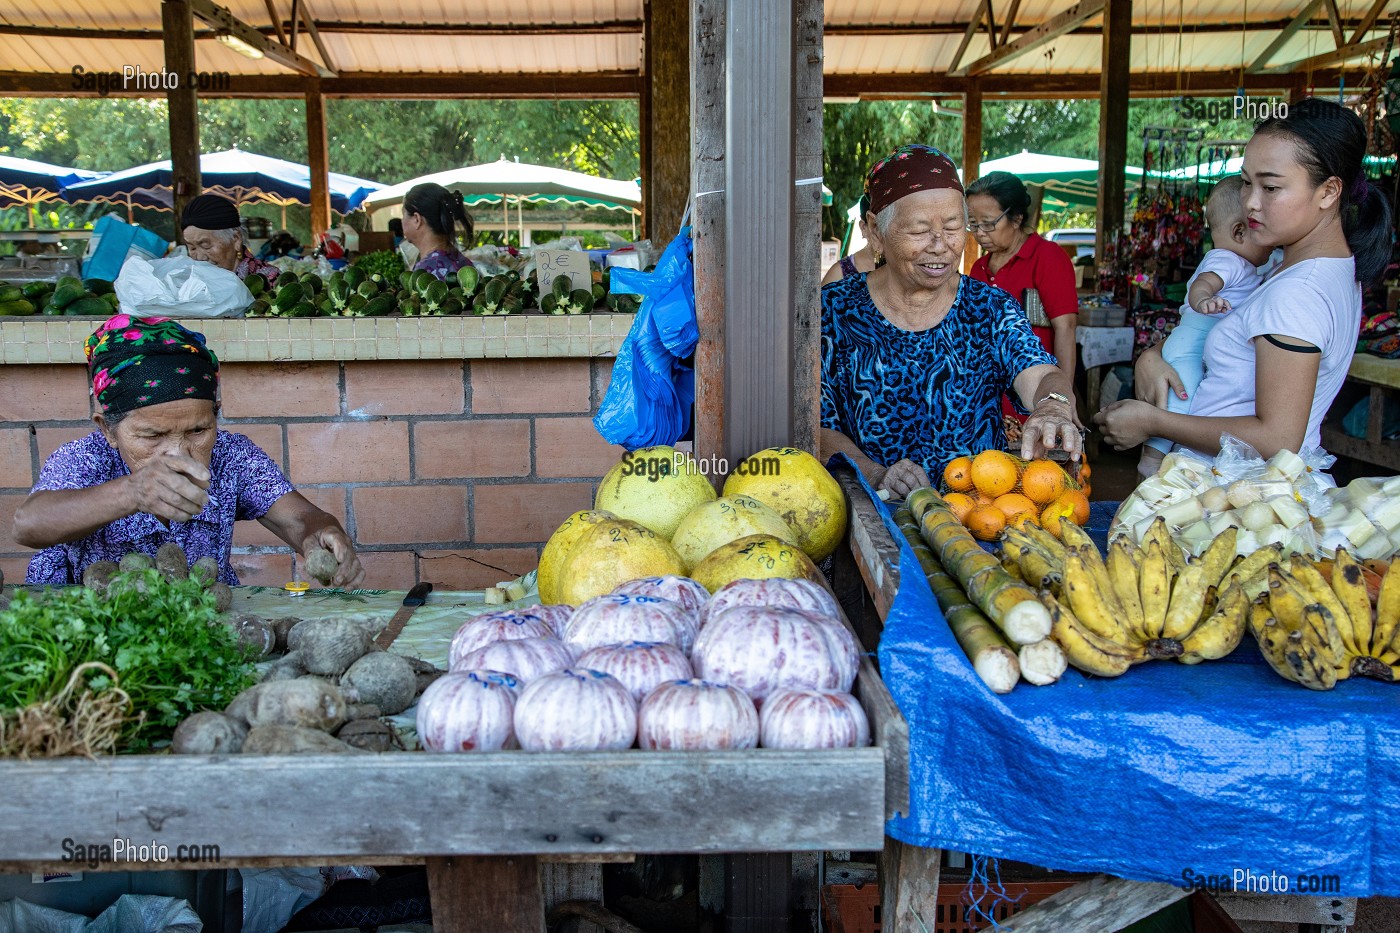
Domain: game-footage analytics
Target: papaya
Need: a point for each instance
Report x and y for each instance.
(66, 294)
(98, 287)
(88, 305)
(19, 307)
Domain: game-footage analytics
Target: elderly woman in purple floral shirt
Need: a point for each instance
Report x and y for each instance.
(158, 469)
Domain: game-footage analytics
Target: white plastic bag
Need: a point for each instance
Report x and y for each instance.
(179, 286)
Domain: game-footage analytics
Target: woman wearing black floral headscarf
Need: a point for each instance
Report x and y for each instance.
(158, 469)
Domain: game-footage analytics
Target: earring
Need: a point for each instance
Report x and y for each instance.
(878, 256)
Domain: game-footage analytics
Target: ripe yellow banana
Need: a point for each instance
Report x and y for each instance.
(1154, 589)
(1316, 672)
(1387, 609)
(1254, 565)
(1011, 546)
(1082, 648)
(1221, 632)
(1317, 590)
(1218, 556)
(1320, 629)
(1074, 536)
(1187, 601)
(1271, 636)
(1176, 557)
(1052, 545)
(1349, 584)
(1286, 602)
(1123, 575)
(1093, 608)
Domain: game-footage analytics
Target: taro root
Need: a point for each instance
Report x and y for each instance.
(321, 564)
(371, 735)
(136, 561)
(361, 711)
(208, 733)
(223, 596)
(281, 628)
(287, 667)
(98, 575)
(255, 634)
(292, 740)
(424, 674)
(385, 679)
(172, 562)
(206, 569)
(308, 703)
(329, 646)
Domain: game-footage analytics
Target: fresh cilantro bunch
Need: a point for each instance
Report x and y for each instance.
(163, 638)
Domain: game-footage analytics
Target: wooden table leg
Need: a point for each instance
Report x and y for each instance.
(908, 886)
(1089, 406)
(470, 894)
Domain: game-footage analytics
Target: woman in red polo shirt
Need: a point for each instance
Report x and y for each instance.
(1015, 258)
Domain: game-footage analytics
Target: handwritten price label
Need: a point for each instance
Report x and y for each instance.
(550, 264)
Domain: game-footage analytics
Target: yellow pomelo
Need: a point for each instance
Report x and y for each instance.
(794, 484)
(654, 486)
(611, 553)
(557, 548)
(757, 557)
(726, 519)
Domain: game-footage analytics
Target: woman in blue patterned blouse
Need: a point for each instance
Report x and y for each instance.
(915, 355)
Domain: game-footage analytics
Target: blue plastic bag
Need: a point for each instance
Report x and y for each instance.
(652, 390)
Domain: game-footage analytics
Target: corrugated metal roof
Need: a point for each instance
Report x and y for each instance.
(865, 36)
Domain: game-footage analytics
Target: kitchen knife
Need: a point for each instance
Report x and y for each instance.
(415, 598)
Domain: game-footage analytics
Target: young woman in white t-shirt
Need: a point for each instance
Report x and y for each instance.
(1274, 366)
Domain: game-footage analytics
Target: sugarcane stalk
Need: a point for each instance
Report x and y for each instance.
(1009, 604)
(992, 659)
(1043, 662)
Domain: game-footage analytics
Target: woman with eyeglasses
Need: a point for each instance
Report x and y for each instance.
(915, 355)
(1016, 258)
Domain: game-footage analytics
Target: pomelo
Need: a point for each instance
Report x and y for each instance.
(794, 484)
(654, 486)
(557, 548)
(756, 557)
(726, 519)
(609, 554)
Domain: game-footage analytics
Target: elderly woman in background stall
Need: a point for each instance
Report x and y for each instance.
(158, 469)
(915, 355)
(431, 214)
(1016, 258)
(213, 233)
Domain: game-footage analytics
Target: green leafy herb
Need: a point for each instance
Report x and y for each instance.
(163, 639)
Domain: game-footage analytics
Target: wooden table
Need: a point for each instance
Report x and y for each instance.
(909, 873)
(482, 823)
(1380, 377)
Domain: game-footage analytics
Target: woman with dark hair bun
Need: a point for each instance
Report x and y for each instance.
(431, 214)
(1274, 366)
(1015, 259)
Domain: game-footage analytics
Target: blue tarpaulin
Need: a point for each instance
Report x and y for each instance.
(1168, 773)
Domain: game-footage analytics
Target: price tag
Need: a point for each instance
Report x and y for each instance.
(551, 263)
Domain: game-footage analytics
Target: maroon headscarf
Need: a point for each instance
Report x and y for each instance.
(906, 170)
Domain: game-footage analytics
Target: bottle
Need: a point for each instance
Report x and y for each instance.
(1035, 311)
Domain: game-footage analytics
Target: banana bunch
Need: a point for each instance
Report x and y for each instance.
(1316, 632)
(1138, 603)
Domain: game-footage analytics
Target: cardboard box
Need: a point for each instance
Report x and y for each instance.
(372, 241)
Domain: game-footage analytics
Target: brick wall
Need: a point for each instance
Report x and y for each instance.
(450, 471)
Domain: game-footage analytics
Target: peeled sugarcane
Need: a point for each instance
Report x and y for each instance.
(1043, 662)
(1009, 604)
(981, 641)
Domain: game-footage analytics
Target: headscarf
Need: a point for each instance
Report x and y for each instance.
(210, 212)
(136, 362)
(909, 169)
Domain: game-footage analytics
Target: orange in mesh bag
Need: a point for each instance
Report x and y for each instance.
(1039, 491)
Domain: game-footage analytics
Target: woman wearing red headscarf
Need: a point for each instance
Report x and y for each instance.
(915, 355)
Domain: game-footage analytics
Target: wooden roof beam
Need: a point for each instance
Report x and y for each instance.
(222, 20)
(1282, 38)
(276, 18)
(1010, 21)
(1327, 59)
(309, 19)
(1072, 86)
(1048, 31)
(991, 25)
(1368, 20)
(1334, 21)
(968, 33)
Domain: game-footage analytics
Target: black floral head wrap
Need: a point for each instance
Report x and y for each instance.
(908, 169)
(137, 362)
